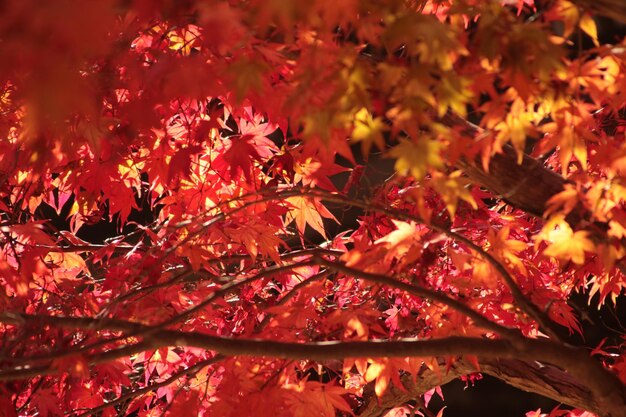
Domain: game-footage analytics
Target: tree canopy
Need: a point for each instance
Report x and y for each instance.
(309, 208)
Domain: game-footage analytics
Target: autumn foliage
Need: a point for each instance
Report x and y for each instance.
(320, 208)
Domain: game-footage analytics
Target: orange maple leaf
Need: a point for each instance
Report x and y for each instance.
(384, 370)
(506, 249)
(311, 398)
(306, 210)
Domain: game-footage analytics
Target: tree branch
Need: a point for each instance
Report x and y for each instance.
(520, 299)
(437, 296)
(608, 392)
(542, 379)
(271, 194)
(527, 186)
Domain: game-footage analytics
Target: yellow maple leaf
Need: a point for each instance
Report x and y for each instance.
(415, 158)
(569, 133)
(452, 188)
(563, 242)
(517, 125)
(572, 144)
(483, 274)
(563, 202)
(184, 40)
(453, 92)
(368, 130)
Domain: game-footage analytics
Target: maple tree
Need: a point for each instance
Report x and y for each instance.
(266, 259)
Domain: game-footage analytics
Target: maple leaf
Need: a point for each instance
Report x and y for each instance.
(316, 398)
(515, 128)
(314, 173)
(368, 130)
(83, 396)
(47, 403)
(416, 158)
(239, 154)
(570, 140)
(180, 164)
(483, 274)
(453, 92)
(404, 243)
(563, 242)
(31, 232)
(384, 370)
(69, 265)
(452, 188)
(507, 249)
(563, 202)
(114, 373)
(257, 238)
(307, 210)
(255, 124)
(606, 285)
(563, 314)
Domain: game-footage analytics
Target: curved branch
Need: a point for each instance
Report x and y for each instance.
(437, 296)
(271, 194)
(608, 391)
(426, 379)
(230, 287)
(186, 274)
(527, 185)
(541, 379)
(520, 299)
(27, 368)
(327, 350)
